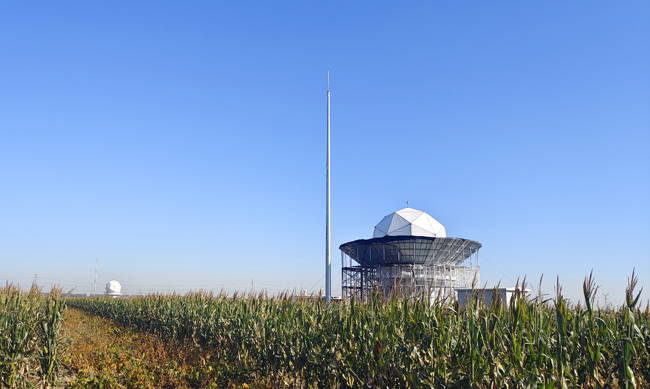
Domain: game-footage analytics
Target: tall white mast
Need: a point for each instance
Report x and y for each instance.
(328, 260)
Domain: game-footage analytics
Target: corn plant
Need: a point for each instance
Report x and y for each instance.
(29, 338)
(49, 328)
(400, 341)
(628, 338)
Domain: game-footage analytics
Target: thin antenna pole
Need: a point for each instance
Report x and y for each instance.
(328, 259)
(95, 284)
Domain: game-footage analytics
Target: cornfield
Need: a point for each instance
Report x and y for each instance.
(29, 336)
(401, 342)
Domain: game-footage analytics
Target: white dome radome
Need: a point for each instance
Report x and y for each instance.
(113, 287)
(409, 222)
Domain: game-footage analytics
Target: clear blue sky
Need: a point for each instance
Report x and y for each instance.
(182, 143)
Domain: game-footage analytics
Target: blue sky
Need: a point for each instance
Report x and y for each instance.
(182, 144)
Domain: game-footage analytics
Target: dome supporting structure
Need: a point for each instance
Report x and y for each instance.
(415, 266)
(360, 282)
(400, 260)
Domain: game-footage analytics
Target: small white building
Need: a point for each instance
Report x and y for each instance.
(504, 293)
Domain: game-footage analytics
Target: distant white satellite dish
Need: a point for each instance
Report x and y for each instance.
(113, 288)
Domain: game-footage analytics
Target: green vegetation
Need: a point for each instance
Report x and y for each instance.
(29, 336)
(201, 340)
(284, 341)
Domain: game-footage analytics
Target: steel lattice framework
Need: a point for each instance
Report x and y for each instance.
(408, 265)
